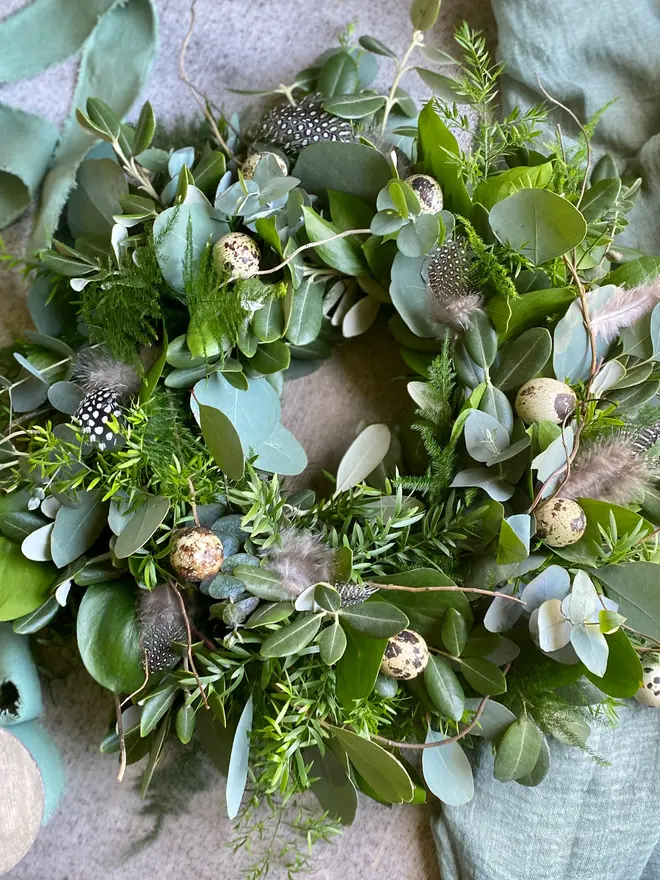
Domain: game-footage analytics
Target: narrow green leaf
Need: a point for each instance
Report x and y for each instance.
(144, 130)
(239, 761)
(424, 14)
(382, 771)
(483, 676)
(142, 525)
(444, 688)
(454, 631)
(292, 638)
(155, 707)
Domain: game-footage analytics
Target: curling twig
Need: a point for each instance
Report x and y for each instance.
(122, 741)
(312, 244)
(191, 660)
(448, 588)
(197, 94)
(582, 130)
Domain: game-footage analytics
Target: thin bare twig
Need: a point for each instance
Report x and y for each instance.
(144, 683)
(122, 741)
(191, 660)
(582, 130)
(393, 744)
(452, 589)
(313, 244)
(193, 502)
(197, 94)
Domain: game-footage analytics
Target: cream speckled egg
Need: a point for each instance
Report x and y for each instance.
(253, 160)
(197, 553)
(237, 252)
(428, 191)
(649, 693)
(560, 522)
(545, 400)
(406, 655)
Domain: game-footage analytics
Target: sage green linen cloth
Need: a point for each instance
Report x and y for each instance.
(584, 822)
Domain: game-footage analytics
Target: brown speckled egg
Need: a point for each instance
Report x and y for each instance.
(560, 522)
(649, 693)
(237, 252)
(545, 400)
(406, 655)
(428, 191)
(253, 160)
(196, 553)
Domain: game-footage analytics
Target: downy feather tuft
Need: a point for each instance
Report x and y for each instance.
(97, 369)
(611, 470)
(624, 309)
(302, 559)
(161, 623)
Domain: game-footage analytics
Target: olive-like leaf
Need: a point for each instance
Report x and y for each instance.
(142, 525)
(292, 638)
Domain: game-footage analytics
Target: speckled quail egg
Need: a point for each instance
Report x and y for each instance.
(197, 553)
(237, 252)
(248, 167)
(428, 191)
(545, 400)
(649, 693)
(406, 655)
(560, 522)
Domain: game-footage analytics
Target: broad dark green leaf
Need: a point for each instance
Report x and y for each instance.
(142, 525)
(424, 14)
(635, 587)
(444, 688)
(271, 357)
(518, 751)
(342, 253)
(538, 223)
(16, 521)
(523, 359)
(262, 582)
(483, 676)
(103, 118)
(599, 198)
(349, 211)
(332, 643)
(155, 706)
(292, 638)
(339, 76)
(358, 668)
(333, 787)
(327, 598)
(239, 761)
(268, 322)
(38, 619)
(435, 141)
(223, 441)
(144, 130)
(454, 631)
(353, 168)
(380, 620)
(623, 674)
(108, 633)
(382, 771)
(209, 170)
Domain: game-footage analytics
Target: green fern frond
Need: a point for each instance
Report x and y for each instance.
(488, 273)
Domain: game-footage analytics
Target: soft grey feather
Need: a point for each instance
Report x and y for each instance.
(302, 559)
(610, 470)
(624, 309)
(96, 369)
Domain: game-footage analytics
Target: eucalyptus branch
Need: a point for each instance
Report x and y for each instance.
(312, 244)
(400, 70)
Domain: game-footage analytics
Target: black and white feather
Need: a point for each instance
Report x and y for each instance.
(355, 594)
(108, 383)
(161, 623)
(294, 128)
(448, 277)
(643, 439)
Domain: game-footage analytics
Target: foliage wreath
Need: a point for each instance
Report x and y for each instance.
(308, 642)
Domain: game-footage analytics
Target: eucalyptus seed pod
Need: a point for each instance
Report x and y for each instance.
(560, 522)
(428, 191)
(545, 400)
(238, 253)
(406, 656)
(196, 553)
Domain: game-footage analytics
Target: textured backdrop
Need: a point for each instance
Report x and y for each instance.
(98, 829)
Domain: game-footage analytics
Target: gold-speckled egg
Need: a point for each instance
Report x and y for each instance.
(560, 522)
(238, 253)
(545, 400)
(428, 191)
(248, 167)
(649, 692)
(406, 655)
(197, 553)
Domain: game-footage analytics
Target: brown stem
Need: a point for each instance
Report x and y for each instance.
(193, 668)
(451, 589)
(144, 683)
(200, 635)
(197, 94)
(640, 634)
(122, 740)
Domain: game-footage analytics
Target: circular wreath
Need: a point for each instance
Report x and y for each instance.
(487, 572)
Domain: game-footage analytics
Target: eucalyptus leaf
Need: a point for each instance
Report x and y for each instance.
(237, 774)
(518, 750)
(142, 525)
(362, 457)
(480, 340)
(77, 528)
(447, 771)
(523, 359)
(444, 688)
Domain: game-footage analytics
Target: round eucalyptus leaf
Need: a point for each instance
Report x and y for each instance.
(495, 403)
(66, 397)
(485, 437)
(36, 546)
